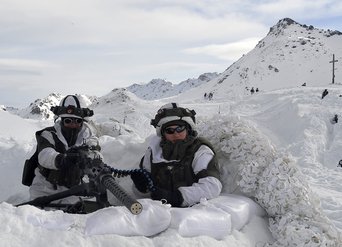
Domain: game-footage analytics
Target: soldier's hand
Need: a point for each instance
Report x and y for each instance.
(174, 198)
(63, 161)
(140, 181)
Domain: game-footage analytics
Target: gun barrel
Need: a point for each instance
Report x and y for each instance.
(133, 205)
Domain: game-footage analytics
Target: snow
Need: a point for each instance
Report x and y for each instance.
(278, 153)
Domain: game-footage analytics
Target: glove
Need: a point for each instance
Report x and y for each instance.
(174, 198)
(70, 172)
(140, 181)
(65, 161)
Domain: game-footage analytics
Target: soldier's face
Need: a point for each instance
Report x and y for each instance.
(174, 133)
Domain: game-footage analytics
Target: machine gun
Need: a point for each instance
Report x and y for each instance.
(100, 179)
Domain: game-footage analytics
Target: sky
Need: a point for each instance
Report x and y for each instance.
(91, 47)
(290, 168)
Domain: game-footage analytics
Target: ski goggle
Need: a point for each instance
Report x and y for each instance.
(178, 129)
(69, 120)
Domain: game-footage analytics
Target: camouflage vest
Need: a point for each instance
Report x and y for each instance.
(57, 177)
(172, 175)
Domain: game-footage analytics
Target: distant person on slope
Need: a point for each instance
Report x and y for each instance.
(334, 120)
(325, 93)
(57, 170)
(339, 163)
(183, 166)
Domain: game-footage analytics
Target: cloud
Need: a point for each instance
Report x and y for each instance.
(230, 51)
(21, 67)
(300, 9)
(65, 22)
(54, 23)
(24, 63)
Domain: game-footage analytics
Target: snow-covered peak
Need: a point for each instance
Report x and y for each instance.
(40, 108)
(121, 112)
(285, 23)
(281, 26)
(116, 96)
(156, 88)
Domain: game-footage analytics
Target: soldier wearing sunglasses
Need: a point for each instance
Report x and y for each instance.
(57, 170)
(183, 166)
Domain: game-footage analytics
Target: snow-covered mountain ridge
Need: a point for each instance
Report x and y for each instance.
(159, 88)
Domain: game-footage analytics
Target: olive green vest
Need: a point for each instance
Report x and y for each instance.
(172, 175)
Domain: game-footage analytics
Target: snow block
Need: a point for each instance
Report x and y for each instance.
(241, 208)
(154, 218)
(202, 220)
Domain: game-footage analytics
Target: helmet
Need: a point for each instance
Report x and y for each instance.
(172, 112)
(70, 107)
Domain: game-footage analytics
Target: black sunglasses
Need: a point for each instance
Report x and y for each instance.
(72, 120)
(178, 129)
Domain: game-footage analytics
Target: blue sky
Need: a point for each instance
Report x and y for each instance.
(92, 46)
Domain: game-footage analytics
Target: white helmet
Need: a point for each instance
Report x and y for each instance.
(172, 112)
(70, 107)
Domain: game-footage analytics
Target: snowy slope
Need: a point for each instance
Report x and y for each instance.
(242, 132)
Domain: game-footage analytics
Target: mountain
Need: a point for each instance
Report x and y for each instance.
(290, 55)
(159, 88)
(40, 108)
(127, 113)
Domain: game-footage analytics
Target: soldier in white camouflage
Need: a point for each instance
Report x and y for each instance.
(183, 166)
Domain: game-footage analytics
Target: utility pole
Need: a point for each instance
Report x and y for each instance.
(333, 68)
